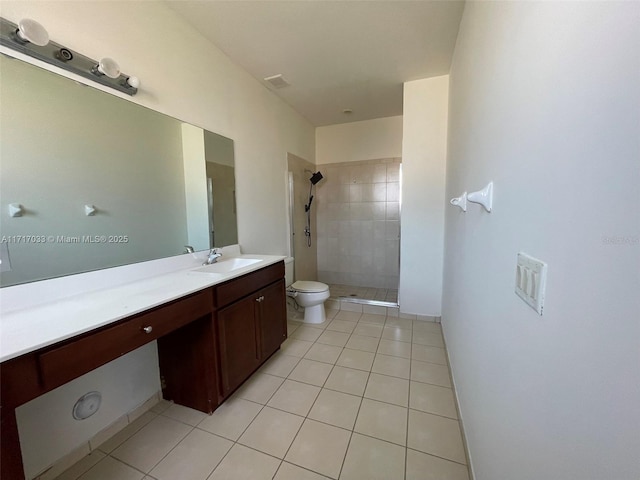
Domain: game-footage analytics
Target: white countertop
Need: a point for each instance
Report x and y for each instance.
(23, 330)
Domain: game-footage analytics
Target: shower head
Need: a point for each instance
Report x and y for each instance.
(315, 178)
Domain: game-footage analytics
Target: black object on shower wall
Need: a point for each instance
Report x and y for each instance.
(315, 178)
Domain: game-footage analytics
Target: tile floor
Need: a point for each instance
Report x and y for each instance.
(360, 397)
(364, 293)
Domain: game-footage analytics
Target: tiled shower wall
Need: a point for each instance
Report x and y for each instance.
(305, 256)
(359, 223)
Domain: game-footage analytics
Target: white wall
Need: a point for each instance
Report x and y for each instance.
(545, 101)
(185, 76)
(366, 140)
(424, 151)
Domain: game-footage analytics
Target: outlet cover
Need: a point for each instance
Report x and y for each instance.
(531, 279)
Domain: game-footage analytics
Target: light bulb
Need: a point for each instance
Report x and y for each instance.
(133, 82)
(31, 31)
(108, 67)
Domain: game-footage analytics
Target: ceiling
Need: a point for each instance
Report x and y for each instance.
(335, 55)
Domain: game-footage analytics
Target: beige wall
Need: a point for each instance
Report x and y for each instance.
(424, 156)
(306, 267)
(359, 223)
(356, 141)
(184, 76)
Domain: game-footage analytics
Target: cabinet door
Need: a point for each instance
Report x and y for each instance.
(273, 318)
(239, 350)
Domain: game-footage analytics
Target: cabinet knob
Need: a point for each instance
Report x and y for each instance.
(260, 298)
(148, 329)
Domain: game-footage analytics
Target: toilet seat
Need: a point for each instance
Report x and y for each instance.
(305, 286)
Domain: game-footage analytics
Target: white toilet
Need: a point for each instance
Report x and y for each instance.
(307, 294)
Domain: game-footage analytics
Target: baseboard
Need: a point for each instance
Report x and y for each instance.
(460, 415)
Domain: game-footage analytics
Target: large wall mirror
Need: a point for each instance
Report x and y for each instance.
(157, 184)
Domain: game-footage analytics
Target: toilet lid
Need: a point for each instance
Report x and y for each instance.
(307, 286)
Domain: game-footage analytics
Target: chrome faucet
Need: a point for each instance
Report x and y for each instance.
(214, 254)
(188, 249)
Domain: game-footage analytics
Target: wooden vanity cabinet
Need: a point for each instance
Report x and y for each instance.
(209, 342)
(252, 325)
(187, 355)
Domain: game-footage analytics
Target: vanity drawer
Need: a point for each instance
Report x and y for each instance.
(237, 288)
(78, 356)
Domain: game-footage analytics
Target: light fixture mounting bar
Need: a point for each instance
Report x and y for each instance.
(60, 56)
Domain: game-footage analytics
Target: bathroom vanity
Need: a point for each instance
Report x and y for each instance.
(210, 340)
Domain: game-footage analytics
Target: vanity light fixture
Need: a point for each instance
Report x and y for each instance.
(31, 38)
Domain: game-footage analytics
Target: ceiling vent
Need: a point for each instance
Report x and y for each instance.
(277, 81)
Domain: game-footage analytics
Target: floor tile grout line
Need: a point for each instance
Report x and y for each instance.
(170, 450)
(299, 466)
(437, 456)
(235, 442)
(435, 414)
(311, 408)
(112, 458)
(346, 452)
(406, 450)
(120, 444)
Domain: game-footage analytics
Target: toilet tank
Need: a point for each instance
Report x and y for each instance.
(288, 271)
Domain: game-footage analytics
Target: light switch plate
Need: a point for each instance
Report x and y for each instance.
(531, 279)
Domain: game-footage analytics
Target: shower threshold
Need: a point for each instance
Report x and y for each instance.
(381, 297)
(364, 301)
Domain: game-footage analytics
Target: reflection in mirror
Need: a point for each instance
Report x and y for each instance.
(64, 146)
(221, 189)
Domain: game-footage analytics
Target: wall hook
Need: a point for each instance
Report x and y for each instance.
(460, 201)
(484, 197)
(89, 210)
(15, 210)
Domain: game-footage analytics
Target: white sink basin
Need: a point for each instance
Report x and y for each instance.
(227, 266)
